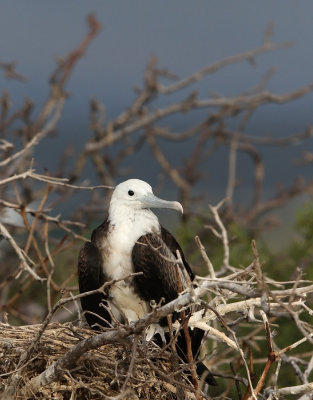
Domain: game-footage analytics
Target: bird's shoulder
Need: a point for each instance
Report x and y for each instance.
(174, 246)
(100, 233)
(89, 259)
(154, 255)
(152, 245)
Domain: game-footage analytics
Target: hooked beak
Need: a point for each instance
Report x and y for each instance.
(152, 201)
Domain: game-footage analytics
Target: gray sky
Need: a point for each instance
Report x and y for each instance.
(185, 36)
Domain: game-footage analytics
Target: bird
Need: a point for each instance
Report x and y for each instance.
(135, 251)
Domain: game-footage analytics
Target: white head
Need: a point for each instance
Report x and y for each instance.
(134, 195)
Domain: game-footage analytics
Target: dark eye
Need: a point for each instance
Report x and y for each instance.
(131, 193)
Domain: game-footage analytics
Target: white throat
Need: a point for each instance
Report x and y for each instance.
(126, 227)
(133, 222)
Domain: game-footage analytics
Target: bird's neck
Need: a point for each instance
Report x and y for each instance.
(133, 223)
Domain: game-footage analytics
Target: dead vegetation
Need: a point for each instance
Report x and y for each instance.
(240, 313)
(241, 307)
(99, 373)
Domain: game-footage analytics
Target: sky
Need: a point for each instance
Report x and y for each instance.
(184, 35)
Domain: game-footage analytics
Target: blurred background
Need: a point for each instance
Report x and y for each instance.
(205, 100)
(196, 167)
(185, 37)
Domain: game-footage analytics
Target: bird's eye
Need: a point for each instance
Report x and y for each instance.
(131, 193)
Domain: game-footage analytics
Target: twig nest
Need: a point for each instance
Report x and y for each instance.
(99, 373)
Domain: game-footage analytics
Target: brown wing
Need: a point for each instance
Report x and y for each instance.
(91, 277)
(173, 245)
(154, 256)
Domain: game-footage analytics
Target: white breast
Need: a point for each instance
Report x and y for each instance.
(117, 262)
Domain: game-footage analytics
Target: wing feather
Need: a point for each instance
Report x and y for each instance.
(91, 277)
(154, 256)
(173, 245)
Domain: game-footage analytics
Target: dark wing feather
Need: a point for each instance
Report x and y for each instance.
(90, 277)
(152, 257)
(196, 334)
(159, 279)
(173, 245)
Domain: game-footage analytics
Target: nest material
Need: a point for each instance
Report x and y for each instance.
(99, 374)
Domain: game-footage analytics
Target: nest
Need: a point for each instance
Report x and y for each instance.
(99, 374)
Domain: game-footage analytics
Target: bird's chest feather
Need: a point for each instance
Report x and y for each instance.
(116, 255)
(117, 264)
(116, 251)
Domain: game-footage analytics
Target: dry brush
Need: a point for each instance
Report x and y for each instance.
(240, 307)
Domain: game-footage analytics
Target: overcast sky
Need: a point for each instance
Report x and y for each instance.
(185, 36)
